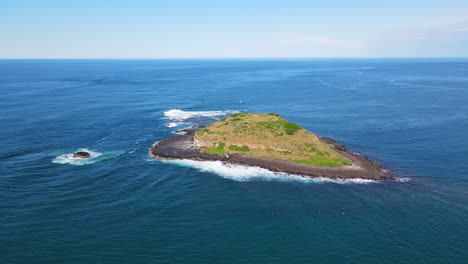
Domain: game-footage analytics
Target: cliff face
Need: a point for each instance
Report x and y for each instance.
(267, 136)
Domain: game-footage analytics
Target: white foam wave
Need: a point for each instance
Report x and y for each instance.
(249, 173)
(133, 150)
(404, 179)
(180, 115)
(180, 132)
(172, 124)
(93, 157)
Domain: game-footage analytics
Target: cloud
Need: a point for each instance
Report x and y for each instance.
(443, 37)
(459, 13)
(450, 23)
(445, 29)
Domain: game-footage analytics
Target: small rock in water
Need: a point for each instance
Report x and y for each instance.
(81, 155)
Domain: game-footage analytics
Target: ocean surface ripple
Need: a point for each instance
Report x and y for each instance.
(121, 206)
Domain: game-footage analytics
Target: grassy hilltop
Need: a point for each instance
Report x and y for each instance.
(269, 136)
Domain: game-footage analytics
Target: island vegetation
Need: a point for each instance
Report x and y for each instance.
(269, 136)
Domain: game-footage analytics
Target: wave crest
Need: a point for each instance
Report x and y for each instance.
(243, 173)
(94, 157)
(180, 115)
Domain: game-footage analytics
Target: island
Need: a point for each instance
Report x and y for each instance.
(271, 142)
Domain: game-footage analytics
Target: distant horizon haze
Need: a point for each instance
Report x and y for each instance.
(209, 29)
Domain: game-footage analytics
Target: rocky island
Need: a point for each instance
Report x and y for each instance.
(271, 142)
(81, 155)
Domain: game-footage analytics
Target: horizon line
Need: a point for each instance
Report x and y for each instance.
(228, 58)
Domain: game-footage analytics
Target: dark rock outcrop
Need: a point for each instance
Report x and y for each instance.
(81, 155)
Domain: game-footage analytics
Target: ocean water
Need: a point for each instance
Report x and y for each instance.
(121, 206)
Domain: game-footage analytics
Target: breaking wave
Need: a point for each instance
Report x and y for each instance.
(179, 119)
(94, 157)
(249, 173)
(172, 124)
(180, 115)
(403, 179)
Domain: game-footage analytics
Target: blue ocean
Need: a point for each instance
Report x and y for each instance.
(122, 206)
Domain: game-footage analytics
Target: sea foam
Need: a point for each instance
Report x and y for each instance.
(403, 179)
(94, 157)
(180, 115)
(243, 173)
(172, 124)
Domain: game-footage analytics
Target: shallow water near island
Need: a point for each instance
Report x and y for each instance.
(122, 206)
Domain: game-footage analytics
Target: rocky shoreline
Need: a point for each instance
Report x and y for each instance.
(183, 147)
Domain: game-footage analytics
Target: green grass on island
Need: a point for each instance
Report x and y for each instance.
(269, 136)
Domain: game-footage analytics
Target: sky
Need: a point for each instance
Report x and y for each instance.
(233, 29)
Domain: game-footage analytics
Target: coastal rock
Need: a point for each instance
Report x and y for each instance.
(81, 155)
(336, 145)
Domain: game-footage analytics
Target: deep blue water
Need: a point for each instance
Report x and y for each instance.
(124, 207)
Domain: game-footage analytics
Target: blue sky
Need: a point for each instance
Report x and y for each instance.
(232, 29)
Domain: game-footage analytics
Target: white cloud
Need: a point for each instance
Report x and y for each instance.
(443, 36)
(443, 29)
